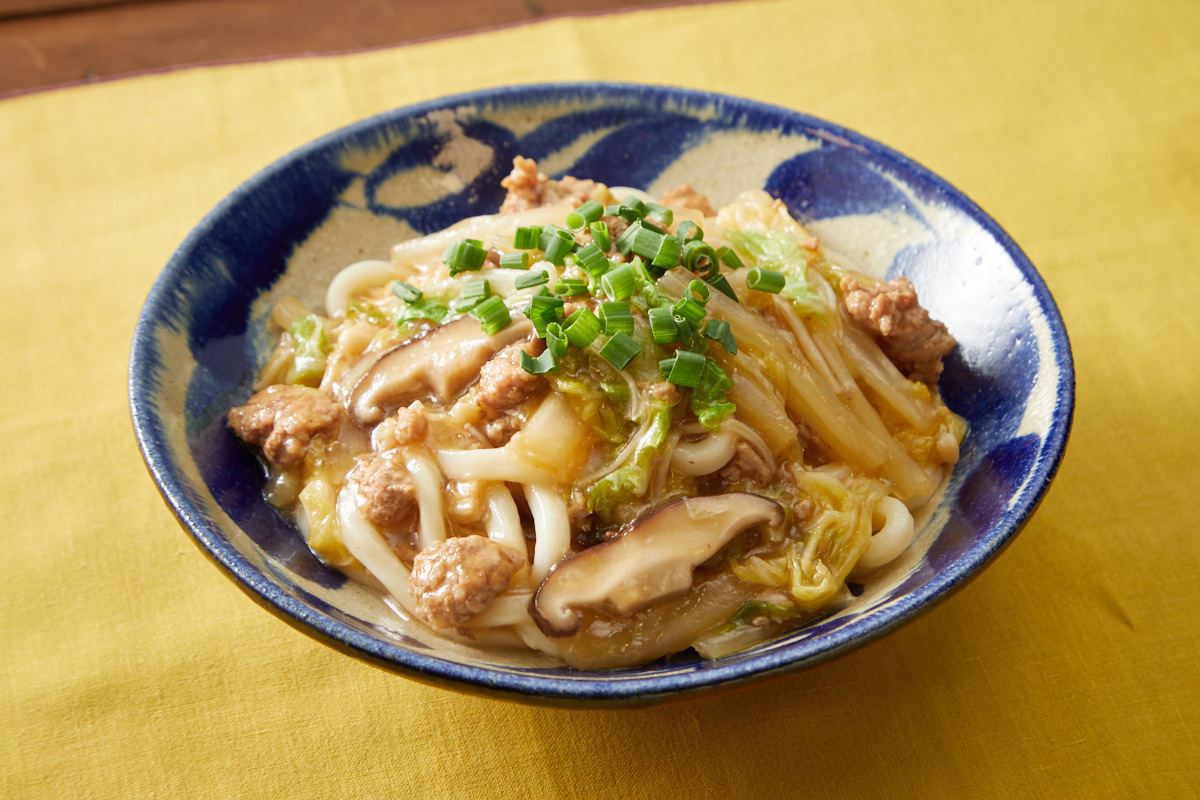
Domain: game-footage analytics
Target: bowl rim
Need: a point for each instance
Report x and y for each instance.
(588, 688)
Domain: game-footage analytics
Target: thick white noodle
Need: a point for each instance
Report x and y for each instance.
(551, 527)
(534, 639)
(368, 545)
(705, 456)
(503, 521)
(895, 534)
(355, 279)
(427, 479)
(490, 464)
(511, 608)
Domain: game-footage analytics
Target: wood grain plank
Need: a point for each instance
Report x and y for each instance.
(107, 40)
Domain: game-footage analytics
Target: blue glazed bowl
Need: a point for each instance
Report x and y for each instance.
(203, 334)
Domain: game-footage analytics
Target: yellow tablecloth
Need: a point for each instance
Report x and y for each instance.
(130, 667)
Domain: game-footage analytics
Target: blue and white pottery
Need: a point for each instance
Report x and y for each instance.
(203, 335)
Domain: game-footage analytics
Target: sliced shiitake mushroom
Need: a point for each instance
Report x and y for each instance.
(651, 561)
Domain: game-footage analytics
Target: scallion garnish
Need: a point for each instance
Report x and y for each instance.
(646, 243)
(492, 314)
(616, 317)
(729, 257)
(632, 208)
(406, 291)
(544, 363)
(584, 215)
(721, 284)
(684, 369)
(515, 260)
(765, 280)
(543, 309)
(561, 243)
(620, 350)
(699, 256)
(591, 259)
(659, 213)
(530, 279)
(662, 325)
(600, 235)
(699, 291)
(569, 287)
(718, 330)
(528, 237)
(581, 328)
(619, 282)
(689, 231)
(625, 240)
(556, 340)
(690, 310)
(668, 253)
(473, 293)
(465, 255)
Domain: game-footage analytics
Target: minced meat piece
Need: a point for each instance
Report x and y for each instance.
(910, 338)
(282, 420)
(688, 197)
(528, 188)
(746, 464)
(406, 426)
(386, 494)
(504, 383)
(456, 579)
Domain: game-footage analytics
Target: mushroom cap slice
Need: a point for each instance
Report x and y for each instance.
(443, 363)
(651, 561)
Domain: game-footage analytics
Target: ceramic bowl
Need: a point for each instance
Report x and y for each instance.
(202, 336)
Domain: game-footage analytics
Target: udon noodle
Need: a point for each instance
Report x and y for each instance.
(606, 427)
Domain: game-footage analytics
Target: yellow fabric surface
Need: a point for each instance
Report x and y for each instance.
(131, 667)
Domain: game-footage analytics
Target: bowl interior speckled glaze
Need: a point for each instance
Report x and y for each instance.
(203, 335)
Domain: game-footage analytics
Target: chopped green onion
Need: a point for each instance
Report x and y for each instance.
(561, 243)
(684, 369)
(492, 314)
(632, 208)
(668, 253)
(547, 234)
(518, 260)
(684, 327)
(620, 350)
(556, 340)
(646, 243)
(721, 284)
(544, 363)
(765, 280)
(584, 215)
(699, 291)
(689, 231)
(660, 213)
(718, 330)
(690, 310)
(406, 292)
(544, 309)
(625, 240)
(466, 255)
(662, 325)
(591, 259)
(619, 282)
(530, 279)
(528, 238)
(581, 328)
(569, 287)
(729, 257)
(600, 235)
(616, 317)
(699, 256)
(473, 293)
